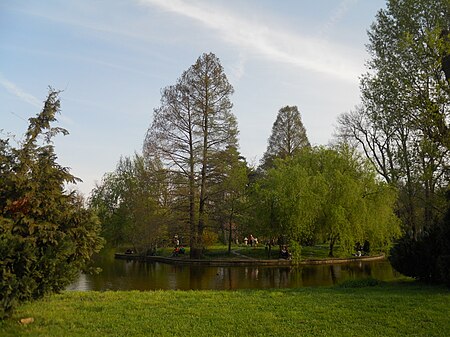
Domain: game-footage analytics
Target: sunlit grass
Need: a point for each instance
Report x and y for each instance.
(369, 309)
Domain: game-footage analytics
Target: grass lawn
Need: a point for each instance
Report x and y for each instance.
(354, 309)
(220, 251)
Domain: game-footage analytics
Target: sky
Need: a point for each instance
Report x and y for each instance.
(111, 58)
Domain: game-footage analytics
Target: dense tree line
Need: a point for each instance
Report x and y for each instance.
(132, 201)
(306, 194)
(192, 181)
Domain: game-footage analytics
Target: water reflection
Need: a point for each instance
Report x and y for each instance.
(135, 275)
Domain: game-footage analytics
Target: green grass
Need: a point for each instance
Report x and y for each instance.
(220, 251)
(353, 309)
(260, 252)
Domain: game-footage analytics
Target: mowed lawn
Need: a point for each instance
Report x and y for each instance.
(355, 309)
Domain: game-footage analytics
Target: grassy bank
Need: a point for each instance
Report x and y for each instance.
(388, 309)
(220, 251)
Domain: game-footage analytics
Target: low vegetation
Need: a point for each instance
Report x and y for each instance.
(362, 308)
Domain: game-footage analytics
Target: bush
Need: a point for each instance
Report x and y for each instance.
(46, 234)
(428, 257)
(415, 259)
(296, 250)
(443, 266)
(210, 238)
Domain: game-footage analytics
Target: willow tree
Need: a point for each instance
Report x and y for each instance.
(288, 136)
(192, 125)
(403, 121)
(130, 203)
(328, 195)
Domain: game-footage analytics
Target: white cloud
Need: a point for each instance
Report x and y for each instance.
(18, 92)
(305, 52)
(237, 69)
(337, 15)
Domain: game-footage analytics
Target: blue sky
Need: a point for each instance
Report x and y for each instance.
(112, 57)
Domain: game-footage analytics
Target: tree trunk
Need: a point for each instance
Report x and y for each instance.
(230, 237)
(332, 242)
(193, 233)
(202, 201)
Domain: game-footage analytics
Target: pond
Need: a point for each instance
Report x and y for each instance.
(136, 275)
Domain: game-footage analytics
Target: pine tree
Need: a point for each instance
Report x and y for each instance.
(46, 234)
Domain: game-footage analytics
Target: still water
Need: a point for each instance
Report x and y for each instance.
(135, 275)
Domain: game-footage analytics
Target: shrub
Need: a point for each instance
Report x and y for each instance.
(443, 266)
(428, 257)
(296, 251)
(416, 259)
(46, 234)
(210, 238)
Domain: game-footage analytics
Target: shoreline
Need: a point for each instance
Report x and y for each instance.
(246, 262)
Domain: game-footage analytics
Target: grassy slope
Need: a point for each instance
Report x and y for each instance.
(389, 309)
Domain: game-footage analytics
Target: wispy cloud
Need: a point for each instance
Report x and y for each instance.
(337, 15)
(238, 68)
(305, 52)
(18, 92)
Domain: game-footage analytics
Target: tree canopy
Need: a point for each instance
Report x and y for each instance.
(327, 195)
(402, 124)
(131, 203)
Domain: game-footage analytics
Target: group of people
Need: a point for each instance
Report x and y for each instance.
(361, 250)
(252, 241)
(284, 253)
(179, 248)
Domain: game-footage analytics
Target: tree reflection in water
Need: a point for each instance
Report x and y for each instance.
(135, 275)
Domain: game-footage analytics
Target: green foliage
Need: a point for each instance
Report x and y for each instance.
(428, 257)
(227, 200)
(130, 205)
(296, 250)
(326, 195)
(416, 258)
(210, 238)
(46, 234)
(402, 124)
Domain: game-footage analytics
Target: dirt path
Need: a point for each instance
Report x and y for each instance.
(236, 252)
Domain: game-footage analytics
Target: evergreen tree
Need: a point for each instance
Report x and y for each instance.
(46, 234)
(288, 137)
